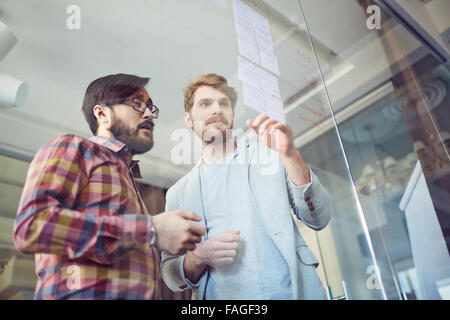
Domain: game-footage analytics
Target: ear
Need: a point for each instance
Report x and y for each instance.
(188, 120)
(103, 116)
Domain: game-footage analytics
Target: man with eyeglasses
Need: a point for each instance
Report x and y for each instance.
(244, 190)
(81, 214)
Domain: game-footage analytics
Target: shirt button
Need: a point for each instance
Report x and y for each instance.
(311, 209)
(310, 204)
(307, 199)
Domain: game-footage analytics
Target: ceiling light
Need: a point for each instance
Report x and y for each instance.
(12, 91)
(7, 40)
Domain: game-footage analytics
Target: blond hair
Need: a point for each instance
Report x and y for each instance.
(211, 80)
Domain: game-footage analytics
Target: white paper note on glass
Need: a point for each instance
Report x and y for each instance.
(260, 22)
(274, 107)
(223, 3)
(248, 72)
(243, 30)
(248, 49)
(269, 83)
(264, 40)
(269, 60)
(253, 97)
(243, 13)
(258, 77)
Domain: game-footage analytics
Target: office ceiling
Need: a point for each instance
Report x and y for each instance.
(172, 41)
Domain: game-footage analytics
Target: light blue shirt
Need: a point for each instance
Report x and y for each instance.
(259, 270)
(264, 184)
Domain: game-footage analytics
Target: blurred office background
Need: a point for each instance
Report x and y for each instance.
(369, 108)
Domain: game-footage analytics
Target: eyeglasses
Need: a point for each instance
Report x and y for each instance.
(139, 105)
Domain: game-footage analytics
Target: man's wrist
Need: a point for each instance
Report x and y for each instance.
(196, 261)
(193, 267)
(297, 170)
(292, 154)
(136, 228)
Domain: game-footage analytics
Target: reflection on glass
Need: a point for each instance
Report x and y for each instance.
(392, 115)
(368, 109)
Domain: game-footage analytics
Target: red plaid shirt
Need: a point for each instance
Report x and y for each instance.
(81, 214)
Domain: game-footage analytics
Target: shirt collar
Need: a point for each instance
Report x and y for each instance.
(110, 143)
(121, 149)
(134, 167)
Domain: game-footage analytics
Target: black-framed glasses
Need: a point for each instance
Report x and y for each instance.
(139, 105)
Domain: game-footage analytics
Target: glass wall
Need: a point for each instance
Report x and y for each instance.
(391, 109)
(367, 101)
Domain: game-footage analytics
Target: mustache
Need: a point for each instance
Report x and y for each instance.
(216, 118)
(147, 123)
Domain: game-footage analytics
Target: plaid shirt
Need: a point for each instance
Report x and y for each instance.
(81, 214)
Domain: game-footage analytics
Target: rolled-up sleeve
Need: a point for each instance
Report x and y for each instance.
(311, 202)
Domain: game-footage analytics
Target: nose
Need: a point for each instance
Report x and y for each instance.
(148, 114)
(216, 109)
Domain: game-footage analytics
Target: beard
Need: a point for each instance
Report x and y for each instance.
(213, 134)
(131, 137)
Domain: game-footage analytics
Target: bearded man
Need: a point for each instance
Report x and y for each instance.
(80, 212)
(244, 190)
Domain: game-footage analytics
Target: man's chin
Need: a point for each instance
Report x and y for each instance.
(142, 149)
(215, 135)
(141, 145)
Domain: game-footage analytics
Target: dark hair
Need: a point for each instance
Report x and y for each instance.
(211, 80)
(109, 90)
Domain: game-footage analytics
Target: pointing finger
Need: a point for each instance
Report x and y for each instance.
(259, 119)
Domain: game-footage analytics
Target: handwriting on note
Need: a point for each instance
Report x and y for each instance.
(305, 56)
(312, 115)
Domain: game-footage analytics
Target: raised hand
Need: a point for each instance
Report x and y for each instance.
(275, 135)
